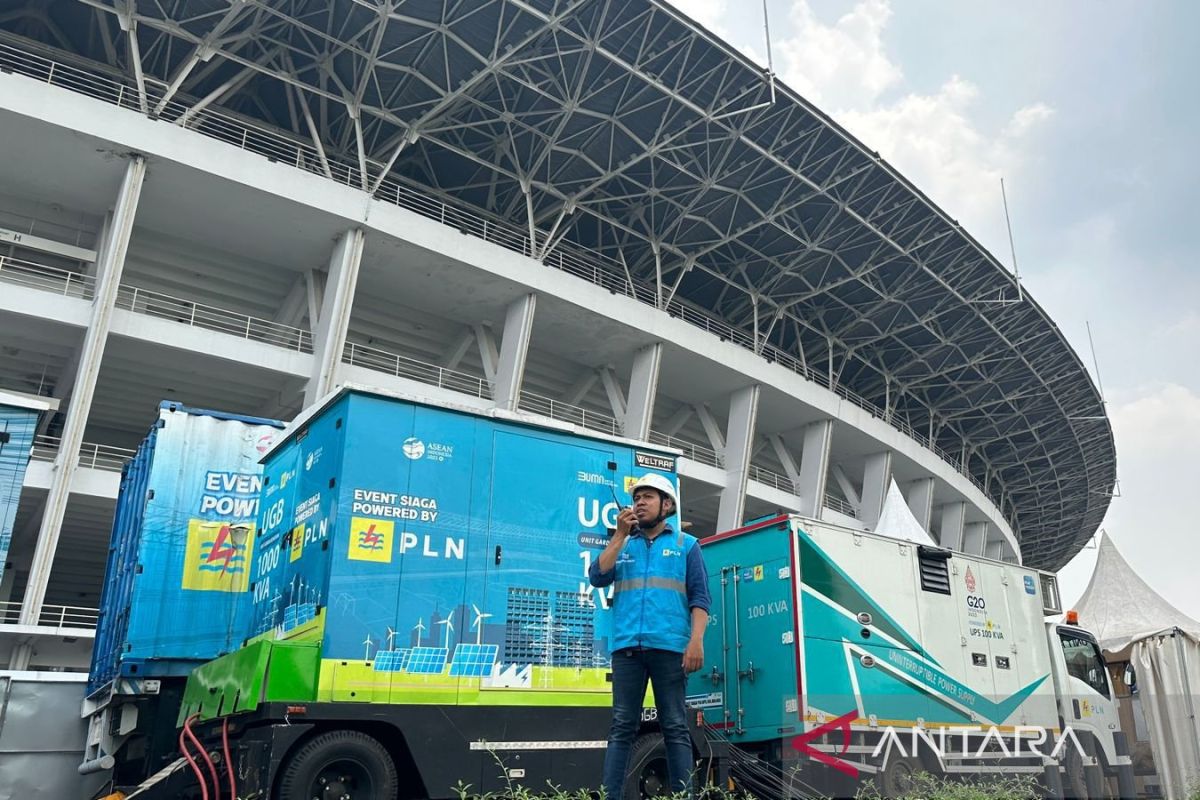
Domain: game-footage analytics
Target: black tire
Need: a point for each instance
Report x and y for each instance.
(1074, 784)
(646, 775)
(336, 765)
(896, 777)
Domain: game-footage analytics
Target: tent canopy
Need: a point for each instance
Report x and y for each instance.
(1120, 608)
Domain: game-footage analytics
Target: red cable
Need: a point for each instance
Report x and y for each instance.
(187, 728)
(228, 760)
(195, 767)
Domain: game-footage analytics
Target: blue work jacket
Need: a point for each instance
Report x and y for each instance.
(656, 584)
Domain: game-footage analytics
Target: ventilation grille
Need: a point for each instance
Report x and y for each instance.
(934, 564)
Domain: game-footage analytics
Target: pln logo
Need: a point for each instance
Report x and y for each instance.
(413, 448)
(217, 556)
(371, 539)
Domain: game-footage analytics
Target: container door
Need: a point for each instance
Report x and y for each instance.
(748, 684)
(541, 626)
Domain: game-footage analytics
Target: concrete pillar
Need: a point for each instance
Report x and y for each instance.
(739, 439)
(110, 265)
(489, 353)
(877, 479)
(612, 388)
(790, 468)
(975, 538)
(848, 488)
(712, 430)
(814, 467)
(329, 339)
(514, 347)
(643, 387)
(953, 520)
(920, 502)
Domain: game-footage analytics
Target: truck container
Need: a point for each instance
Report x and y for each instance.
(174, 592)
(836, 651)
(420, 577)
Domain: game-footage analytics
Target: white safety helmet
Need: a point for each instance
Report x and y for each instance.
(659, 483)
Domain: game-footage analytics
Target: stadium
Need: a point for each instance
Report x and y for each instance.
(596, 213)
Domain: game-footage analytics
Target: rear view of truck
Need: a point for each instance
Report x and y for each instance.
(840, 656)
(175, 588)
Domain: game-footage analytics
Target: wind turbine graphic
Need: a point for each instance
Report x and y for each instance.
(449, 623)
(420, 629)
(478, 623)
(391, 638)
(368, 643)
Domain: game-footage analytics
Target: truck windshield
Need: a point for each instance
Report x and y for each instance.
(1084, 661)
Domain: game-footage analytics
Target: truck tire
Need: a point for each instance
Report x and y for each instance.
(336, 765)
(1074, 784)
(647, 771)
(896, 777)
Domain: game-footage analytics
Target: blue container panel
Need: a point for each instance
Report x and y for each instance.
(466, 534)
(18, 426)
(289, 580)
(113, 623)
(183, 534)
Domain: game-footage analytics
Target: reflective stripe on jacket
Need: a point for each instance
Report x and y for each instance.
(650, 599)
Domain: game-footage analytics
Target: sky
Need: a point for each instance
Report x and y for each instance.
(1088, 110)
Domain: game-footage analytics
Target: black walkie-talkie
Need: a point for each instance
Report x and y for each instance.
(612, 487)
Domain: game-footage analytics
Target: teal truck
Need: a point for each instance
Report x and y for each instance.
(420, 618)
(840, 654)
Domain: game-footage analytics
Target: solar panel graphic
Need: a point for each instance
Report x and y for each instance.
(474, 660)
(297, 614)
(426, 660)
(392, 660)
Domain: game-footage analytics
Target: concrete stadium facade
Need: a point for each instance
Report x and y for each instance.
(156, 242)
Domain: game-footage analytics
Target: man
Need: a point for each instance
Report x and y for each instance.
(660, 609)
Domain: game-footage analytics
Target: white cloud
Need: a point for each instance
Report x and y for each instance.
(841, 65)
(932, 139)
(1186, 327)
(1152, 523)
(1160, 425)
(708, 13)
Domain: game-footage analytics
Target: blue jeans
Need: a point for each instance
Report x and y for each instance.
(631, 668)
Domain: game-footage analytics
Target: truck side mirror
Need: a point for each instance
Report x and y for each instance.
(1130, 677)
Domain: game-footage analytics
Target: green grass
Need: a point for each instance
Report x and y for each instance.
(924, 787)
(930, 787)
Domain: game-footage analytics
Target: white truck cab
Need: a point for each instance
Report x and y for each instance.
(1087, 708)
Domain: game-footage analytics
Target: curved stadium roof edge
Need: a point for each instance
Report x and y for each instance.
(657, 130)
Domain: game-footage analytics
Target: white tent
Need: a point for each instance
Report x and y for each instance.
(897, 521)
(1134, 623)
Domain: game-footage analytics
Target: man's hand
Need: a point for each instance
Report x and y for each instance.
(693, 657)
(626, 519)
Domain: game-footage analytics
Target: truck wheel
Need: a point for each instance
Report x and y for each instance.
(1074, 784)
(339, 765)
(896, 777)
(647, 772)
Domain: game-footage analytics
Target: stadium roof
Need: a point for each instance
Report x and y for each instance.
(623, 128)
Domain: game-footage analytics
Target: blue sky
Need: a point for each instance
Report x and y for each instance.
(1088, 110)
